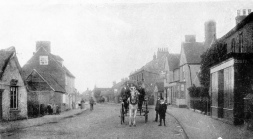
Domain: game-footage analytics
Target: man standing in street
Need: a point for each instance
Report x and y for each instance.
(157, 108)
(91, 103)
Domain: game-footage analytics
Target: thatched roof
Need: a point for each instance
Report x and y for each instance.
(5, 56)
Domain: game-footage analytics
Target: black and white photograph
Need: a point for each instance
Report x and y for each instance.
(126, 69)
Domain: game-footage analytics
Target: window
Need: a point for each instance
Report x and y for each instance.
(14, 97)
(183, 72)
(233, 45)
(43, 60)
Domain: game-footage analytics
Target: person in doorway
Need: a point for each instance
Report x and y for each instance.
(91, 103)
(162, 111)
(157, 109)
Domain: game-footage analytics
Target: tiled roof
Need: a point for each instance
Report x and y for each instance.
(240, 25)
(193, 51)
(48, 78)
(52, 80)
(5, 55)
(173, 61)
(58, 59)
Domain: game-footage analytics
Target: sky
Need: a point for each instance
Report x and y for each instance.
(102, 41)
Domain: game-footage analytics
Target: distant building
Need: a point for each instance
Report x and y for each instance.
(47, 64)
(13, 93)
(189, 67)
(171, 82)
(231, 78)
(98, 92)
(151, 73)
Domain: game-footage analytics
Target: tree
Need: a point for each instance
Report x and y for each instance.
(215, 54)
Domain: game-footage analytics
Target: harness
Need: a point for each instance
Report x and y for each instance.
(134, 100)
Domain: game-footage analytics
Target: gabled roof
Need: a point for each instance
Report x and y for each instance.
(193, 51)
(48, 78)
(154, 66)
(5, 56)
(173, 61)
(240, 25)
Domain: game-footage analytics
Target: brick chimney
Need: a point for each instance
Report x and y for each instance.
(241, 14)
(45, 44)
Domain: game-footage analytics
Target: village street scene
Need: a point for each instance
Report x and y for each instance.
(120, 69)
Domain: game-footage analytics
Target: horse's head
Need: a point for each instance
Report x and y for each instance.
(133, 92)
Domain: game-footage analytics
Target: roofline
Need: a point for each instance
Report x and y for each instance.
(240, 25)
(6, 63)
(42, 78)
(189, 64)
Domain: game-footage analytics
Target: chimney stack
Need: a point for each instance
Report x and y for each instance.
(210, 32)
(45, 44)
(241, 14)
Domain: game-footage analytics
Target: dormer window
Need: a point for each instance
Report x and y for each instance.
(43, 60)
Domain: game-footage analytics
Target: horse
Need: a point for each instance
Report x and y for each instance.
(133, 105)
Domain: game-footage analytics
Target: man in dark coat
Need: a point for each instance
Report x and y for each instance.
(157, 108)
(125, 93)
(141, 90)
(162, 111)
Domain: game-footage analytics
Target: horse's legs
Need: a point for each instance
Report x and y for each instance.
(130, 116)
(135, 112)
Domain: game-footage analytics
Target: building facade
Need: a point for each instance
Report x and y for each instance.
(13, 93)
(189, 67)
(171, 82)
(48, 64)
(151, 73)
(231, 78)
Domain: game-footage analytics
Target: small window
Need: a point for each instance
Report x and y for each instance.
(14, 97)
(43, 60)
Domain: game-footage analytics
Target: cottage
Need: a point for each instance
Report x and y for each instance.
(51, 68)
(189, 67)
(13, 93)
(43, 89)
(171, 82)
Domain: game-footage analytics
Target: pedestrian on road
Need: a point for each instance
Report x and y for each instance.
(162, 111)
(157, 109)
(91, 103)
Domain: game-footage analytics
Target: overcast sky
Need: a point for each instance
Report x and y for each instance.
(103, 41)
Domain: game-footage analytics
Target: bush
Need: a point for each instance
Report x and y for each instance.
(43, 109)
(33, 109)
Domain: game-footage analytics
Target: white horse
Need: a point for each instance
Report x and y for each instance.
(133, 105)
